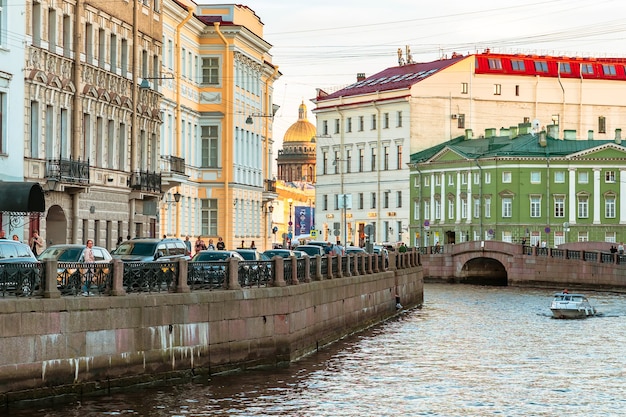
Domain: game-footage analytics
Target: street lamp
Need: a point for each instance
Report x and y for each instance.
(146, 84)
(290, 224)
(249, 120)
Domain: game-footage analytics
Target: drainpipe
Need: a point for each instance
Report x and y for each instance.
(77, 113)
(379, 202)
(178, 112)
(227, 138)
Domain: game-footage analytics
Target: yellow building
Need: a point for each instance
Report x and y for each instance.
(216, 137)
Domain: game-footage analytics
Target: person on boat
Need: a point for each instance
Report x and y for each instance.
(565, 291)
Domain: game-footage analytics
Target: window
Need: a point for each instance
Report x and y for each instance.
(438, 180)
(348, 160)
(583, 207)
(517, 90)
(586, 69)
(426, 210)
(426, 181)
(324, 163)
(541, 66)
(373, 122)
(507, 207)
(535, 177)
(506, 177)
(66, 32)
(336, 162)
(583, 177)
(36, 24)
(609, 176)
(464, 88)
(495, 63)
(476, 178)
(460, 121)
(559, 206)
(608, 69)
(386, 199)
(398, 119)
(209, 217)
(337, 126)
(386, 121)
(349, 125)
(361, 160)
(386, 158)
(398, 199)
(373, 159)
(583, 236)
(52, 30)
(437, 210)
(535, 206)
(416, 210)
(487, 177)
(609, 207)
(476, 208)
(497, 89)
(3, 124)
(209, 146)
(361, 201)
(325, 202)
(601, 124)
(373, 200)
(210, 71)
(325, 127)
(518, 65)
(451, 212)
(559, 177)
(361, 124)
(399, 157)
(463, 208)
(487, 207)
(416, 181)
(113, 53)
(336, 201)
(463, 178)
(565, 68)
(450, 179)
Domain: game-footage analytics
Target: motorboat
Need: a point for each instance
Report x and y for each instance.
(571, 306)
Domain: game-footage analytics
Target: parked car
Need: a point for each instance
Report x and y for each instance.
(283, 253)
(300, 254)
(352, 250)
(16, 275)
(311, 250)
(252, 255)
(150, 250)
(71, 279)
(209, 267)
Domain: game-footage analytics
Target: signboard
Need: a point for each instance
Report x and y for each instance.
(303, 220)
(345, 201)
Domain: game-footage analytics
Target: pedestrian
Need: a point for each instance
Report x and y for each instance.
(188, 245)
(243, 246)
(16, 238)
(200, 245)
(88, 258)
(36, 243)
(402, 248)
(3, 234)
(211, 246)
(252, 245)
(220, 244)
(613, 249)
(620, 248)
(328, 248)
(437, 247)
(119, 241)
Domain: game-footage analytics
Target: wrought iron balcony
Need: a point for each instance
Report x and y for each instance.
(68, 171)
(173, 164)
(270, 186)
(145, 181)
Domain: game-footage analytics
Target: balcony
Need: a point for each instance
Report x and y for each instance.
(269, 191)
(70, 173)
(172, 171)
(145, 181)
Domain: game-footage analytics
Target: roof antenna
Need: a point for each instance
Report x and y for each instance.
(400, 59)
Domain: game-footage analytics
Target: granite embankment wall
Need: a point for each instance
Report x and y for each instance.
(69, 345)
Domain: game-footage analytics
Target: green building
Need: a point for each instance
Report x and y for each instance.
(517, 187)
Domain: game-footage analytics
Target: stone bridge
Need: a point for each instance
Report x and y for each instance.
(499, 263)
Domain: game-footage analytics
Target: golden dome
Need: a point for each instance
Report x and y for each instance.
(302, 130)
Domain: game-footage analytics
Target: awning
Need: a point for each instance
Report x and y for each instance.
(21, 197)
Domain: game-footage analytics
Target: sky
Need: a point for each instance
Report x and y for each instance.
(324, 44)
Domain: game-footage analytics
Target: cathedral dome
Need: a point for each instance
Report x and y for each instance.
(302, 130)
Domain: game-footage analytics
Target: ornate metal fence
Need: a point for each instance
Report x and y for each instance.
(21, 279)
(150, 276)
(207, 275)
(77, 278)
(255, 273)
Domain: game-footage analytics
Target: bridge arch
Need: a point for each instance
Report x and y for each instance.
(483, 271)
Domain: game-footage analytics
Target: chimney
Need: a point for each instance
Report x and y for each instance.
(468, 134)
(543, 142)
(618, 136)
(553, 131)
(569, 134)
(360, 76)
(490, 132)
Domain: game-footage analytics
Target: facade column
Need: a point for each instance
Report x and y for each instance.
(442, 193)
(572, 196)
(470, 202)
(458, 197)
(432, 198)
(596, 196)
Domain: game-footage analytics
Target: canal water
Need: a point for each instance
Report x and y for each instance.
(469, 351)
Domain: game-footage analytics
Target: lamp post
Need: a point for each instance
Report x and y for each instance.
(249, 120)
(290, 224)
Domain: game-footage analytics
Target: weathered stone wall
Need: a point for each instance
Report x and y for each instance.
(63, 345)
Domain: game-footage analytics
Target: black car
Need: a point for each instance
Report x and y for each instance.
(150, 250)
(20, 271)
(208, 267)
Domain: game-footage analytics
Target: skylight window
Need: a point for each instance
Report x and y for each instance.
(586, 68)
(518, 65)
(565, 68)
(495, 63)
(608, 69)
(541, 66)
